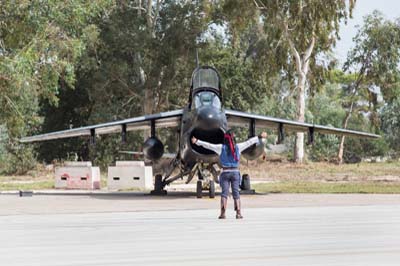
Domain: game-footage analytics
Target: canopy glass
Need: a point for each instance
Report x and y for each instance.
(205, 78)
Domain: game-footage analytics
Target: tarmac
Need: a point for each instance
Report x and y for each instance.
(132, 228)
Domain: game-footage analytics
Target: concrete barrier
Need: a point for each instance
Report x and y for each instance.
(130, 175)
(77, 175)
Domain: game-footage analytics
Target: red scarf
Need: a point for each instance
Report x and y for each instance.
(231, 146)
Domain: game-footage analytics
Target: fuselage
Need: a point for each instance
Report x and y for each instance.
(203, 118)
(208, 124)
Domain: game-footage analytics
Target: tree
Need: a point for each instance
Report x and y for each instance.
(145, 56)
(306, 29)
(243, 88)
(73, 110)
(353, 99)
(140, 63)
(40, 43)
(325, 108)
(391, 124)
(374, 64)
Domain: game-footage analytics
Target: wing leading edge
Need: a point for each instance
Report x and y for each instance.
(237, 118)
(164, 119)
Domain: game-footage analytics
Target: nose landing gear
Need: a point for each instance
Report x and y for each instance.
(210, 186)
(206, 181)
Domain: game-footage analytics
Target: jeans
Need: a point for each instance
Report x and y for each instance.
(231, 178)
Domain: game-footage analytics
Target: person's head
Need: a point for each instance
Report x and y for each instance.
(229, 137)
(229, 141)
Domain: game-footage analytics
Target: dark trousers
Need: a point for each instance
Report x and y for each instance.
(230, 178)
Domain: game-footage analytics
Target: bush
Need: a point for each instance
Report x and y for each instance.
(18, 160)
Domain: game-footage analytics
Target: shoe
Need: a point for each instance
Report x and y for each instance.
(237, 208)
(224, 202)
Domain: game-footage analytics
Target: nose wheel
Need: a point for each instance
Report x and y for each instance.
(211, 191)
(200, 187)
(207, 176)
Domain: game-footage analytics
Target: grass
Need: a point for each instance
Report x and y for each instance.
(283, 178)
(328, 187)
(272, 171)
(40, 185)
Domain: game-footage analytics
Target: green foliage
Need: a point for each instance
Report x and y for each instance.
(139, 64)
(374, 80)
(391, 124)
(357, 148)
(19, 159)
(376, 57)
(40, 43)
(325, 109)
(3, 141)
(39, 46)
(72, 111)
(73, 63)
(135, 58)
(243, 88)
(329, 108)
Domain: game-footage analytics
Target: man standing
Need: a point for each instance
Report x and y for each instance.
(229, 154)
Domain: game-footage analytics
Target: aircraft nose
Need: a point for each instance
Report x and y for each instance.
(209, 118)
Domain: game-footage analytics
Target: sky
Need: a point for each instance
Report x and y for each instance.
(389, 8)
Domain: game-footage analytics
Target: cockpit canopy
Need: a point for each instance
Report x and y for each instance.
(205, 77)
(206, 87)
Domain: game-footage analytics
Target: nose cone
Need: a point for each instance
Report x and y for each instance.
(209, 118)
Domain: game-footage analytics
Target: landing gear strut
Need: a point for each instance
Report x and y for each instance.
(160, 183)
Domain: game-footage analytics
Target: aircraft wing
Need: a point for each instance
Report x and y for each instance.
(237, 118)
(165, 119)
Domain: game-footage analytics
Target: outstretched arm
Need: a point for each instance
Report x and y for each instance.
(244, 145)
(217, 148)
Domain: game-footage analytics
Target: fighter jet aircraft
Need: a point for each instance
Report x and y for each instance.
(204, 118)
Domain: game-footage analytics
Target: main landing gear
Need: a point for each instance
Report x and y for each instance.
(158, 186)
(160, 183)
(207, 177)
(203, 184)
(245, 186)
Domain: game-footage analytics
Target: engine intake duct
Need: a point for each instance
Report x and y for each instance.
(215, 136)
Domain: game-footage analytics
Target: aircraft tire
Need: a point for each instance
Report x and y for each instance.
(245, 182)
(212, 189)
(199, 189)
